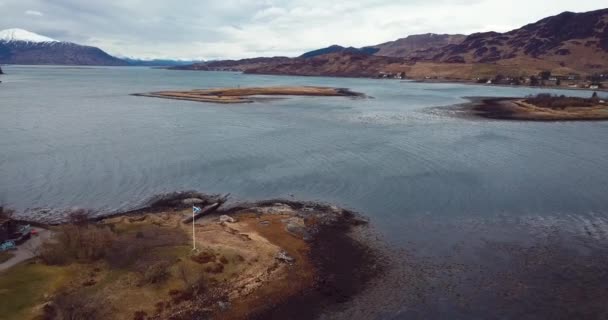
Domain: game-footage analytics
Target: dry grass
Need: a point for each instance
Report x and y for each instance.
(146, 269)
(244, 95)
(77, 243)
(519, 109)
(23, 288)
(528, 111)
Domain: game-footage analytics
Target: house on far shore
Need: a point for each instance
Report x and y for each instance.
(573, 76)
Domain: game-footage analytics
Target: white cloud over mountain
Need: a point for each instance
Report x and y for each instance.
(246, 28)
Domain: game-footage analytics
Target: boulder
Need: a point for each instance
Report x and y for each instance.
(297, 227)
(283, 256)
(192, 201)
(225, 218)
(276, 208)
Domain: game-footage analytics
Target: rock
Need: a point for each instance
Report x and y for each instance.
(297, 227)
(284, 257)
(276, 208)
(225, 218)
(192, 201)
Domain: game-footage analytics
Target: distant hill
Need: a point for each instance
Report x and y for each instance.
(18, 46)
(339, 64)
(233, 65)
(416, 45)
(578, 41)
(158, 62)
(338, 49)
(344, 64)
(563, 44)
(411, 46)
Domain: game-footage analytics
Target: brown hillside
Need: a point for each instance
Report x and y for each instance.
(573, 40)
(417, 45)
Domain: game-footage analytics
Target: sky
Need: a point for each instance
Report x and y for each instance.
(204, 30)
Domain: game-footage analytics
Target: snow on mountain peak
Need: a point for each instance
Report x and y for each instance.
(23, 35)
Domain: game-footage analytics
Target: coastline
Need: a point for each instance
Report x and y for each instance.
(251, 94)
(291, 256)
(405, 80)
(502, 85)
(516, 109)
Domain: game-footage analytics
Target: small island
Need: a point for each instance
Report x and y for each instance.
(542, 107)
(248, 95)
(265, 260)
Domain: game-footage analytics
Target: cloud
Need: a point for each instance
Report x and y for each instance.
(194, 29)
(33, 13)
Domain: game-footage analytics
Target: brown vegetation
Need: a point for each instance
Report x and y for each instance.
(545, 100)
(141, 266)
(74, 243)
(565, 43)
(542, 107)
(247, 95)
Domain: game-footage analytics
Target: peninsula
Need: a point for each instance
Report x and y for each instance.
(270, 259)
(248, 95)
(542, 107)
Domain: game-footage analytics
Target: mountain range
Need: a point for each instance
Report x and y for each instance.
(18, 46)
(566, 43)
(563, 44)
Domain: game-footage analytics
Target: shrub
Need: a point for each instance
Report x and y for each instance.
(156, 273)
(82, 243)
(195, 302)
(203, 257)
(546, 100)
(76, 306)
(136, 250)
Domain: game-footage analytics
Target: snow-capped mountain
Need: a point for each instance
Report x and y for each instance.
(16, 34)
(18, 46)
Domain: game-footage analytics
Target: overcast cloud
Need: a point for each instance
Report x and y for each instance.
(194, 29)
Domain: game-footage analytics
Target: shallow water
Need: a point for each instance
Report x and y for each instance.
(75, 137)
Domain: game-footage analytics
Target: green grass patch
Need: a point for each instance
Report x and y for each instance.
(23, 286)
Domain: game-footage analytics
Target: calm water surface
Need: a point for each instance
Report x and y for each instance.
(75, 137)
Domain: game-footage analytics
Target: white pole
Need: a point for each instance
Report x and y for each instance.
(193, 232)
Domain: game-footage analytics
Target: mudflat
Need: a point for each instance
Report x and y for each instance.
(248, 95)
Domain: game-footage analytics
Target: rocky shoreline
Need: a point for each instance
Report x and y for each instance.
(249, 95)
(506, 108)
(277, 258)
